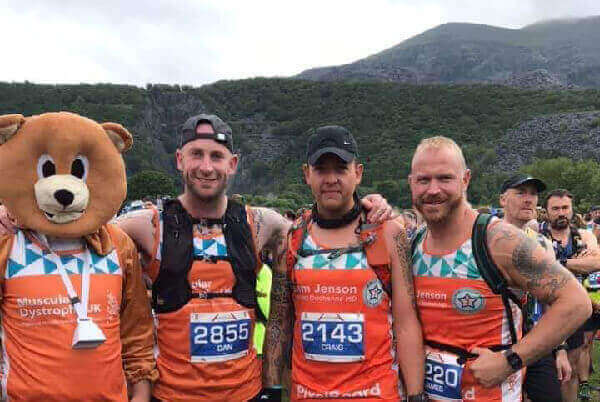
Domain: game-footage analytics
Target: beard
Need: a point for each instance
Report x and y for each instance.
(444, 210)
(560, 223)
(216, 193)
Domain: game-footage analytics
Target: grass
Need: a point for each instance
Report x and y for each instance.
(595, 377)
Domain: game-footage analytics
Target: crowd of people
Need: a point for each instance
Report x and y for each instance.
(441, 302)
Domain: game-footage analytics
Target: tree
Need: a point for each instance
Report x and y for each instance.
(150, 183)
(581, 178)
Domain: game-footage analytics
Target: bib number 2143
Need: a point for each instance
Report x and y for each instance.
(333, 337)
(216, 337)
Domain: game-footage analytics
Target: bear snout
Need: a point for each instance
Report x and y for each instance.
(64, 197)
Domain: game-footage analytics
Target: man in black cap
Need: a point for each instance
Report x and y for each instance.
(343, 272)
(519, 197)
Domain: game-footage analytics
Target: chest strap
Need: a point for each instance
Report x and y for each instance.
(463, 354)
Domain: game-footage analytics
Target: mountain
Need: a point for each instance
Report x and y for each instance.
(270, 119)
(456, 53)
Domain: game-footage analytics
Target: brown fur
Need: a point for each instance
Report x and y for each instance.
(63, 136)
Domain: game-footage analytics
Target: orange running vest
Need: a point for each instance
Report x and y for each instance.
(458, 308)
(205, 349)
(342, 338)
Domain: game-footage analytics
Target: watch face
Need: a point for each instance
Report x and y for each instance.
(514, 360)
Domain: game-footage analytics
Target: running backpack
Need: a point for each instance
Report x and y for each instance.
(171, 289)
(371, 241)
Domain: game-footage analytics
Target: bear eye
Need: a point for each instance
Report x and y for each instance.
(46, 167)
(79, 167)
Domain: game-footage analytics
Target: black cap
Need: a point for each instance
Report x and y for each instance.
(519, 179)
(594, 208)
(335, 140)
(222, 130)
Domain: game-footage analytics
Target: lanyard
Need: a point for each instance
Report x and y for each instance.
(80, 305)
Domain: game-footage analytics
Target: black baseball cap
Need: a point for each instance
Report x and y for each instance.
(519, 179)
(222, 135)
(594, 208)
(335, 140)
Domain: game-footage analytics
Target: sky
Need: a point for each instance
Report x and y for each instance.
(196, 42)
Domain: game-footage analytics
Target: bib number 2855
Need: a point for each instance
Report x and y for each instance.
(219, 336)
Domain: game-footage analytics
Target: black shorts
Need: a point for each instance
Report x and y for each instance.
(541, 381)
(593, 323)
(576, 339)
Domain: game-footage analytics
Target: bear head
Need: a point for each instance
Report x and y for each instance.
(62, 174)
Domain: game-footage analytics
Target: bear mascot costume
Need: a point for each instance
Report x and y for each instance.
(76, 323)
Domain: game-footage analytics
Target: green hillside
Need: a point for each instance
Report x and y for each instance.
(270, 118)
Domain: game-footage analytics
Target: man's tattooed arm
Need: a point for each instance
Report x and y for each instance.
(527, 263)
(279, 326)
(406, 325)
(271, 231)
(529, 266)
(268, 227)
(403, 248)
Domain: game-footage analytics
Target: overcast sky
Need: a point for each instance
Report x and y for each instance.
(196, 42)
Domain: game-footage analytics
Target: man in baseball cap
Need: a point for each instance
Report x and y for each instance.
(333, 175)
(519, 196)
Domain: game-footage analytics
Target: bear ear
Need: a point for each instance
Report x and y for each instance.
(9, 125)
(118, 135)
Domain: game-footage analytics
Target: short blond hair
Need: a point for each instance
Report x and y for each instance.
(440, 142)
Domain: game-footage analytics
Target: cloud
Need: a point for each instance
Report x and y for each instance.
(196, 42)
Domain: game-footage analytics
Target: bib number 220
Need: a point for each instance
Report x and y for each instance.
(443, 380)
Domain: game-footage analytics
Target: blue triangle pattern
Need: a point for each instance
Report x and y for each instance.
(95, 258)
(221, 250)
(31, 256)
(352, 261)
(13, 268)
(112, 267)
(319, 261)
(65, 259)
(207, 243)
(49, 266)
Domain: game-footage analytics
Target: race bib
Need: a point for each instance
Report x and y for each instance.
(334, 338)
(443, 376)
(217, 337)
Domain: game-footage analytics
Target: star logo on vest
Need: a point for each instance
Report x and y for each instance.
(373, 293)
(468, 300)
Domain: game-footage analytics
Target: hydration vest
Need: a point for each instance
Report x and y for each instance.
(371, 241)
(171, 289)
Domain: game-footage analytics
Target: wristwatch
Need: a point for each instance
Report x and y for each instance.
(563, 261)
(514, 360)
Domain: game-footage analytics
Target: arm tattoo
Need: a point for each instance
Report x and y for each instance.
(537, 270)
(403, 249)
(279, 329)
(258, 220)
(540, 273)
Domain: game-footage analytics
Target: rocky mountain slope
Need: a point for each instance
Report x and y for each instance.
(465, 53)
(574, 135)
